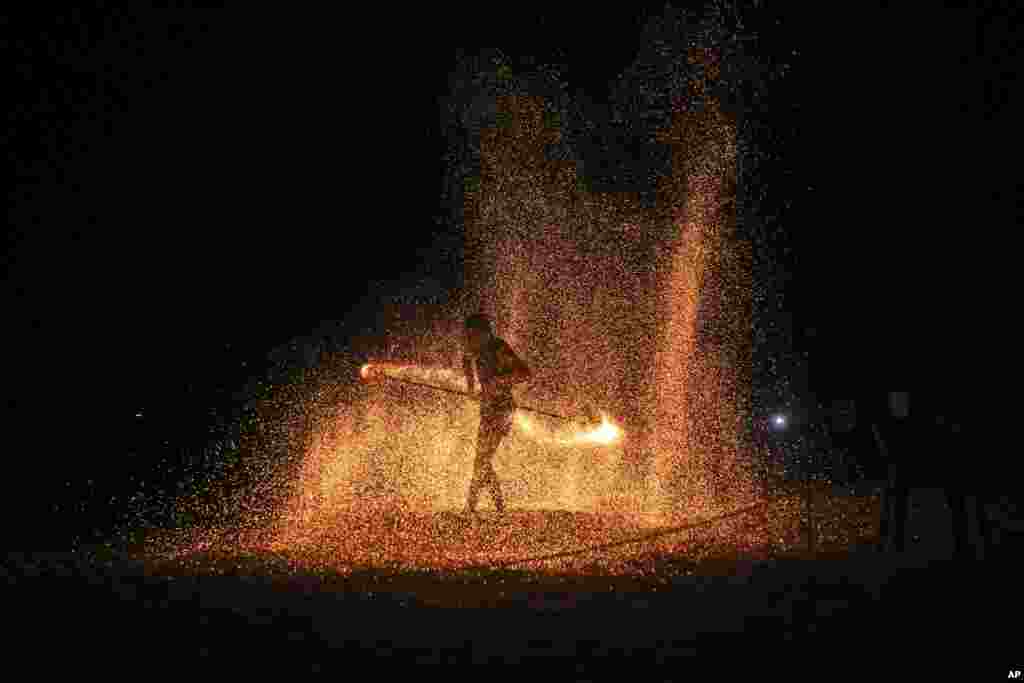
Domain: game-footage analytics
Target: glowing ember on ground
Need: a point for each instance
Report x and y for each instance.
(541, 543)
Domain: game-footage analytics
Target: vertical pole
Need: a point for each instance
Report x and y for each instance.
(885, 499)
(808, 500)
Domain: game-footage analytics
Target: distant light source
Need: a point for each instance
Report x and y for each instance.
(779, 421)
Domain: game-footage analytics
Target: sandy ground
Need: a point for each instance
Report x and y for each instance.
(754, 612)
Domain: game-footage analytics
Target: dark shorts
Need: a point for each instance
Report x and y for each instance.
(495, 423)
(499, 409)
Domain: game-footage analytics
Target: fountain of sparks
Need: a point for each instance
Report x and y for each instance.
(638, 312)
(402, 453)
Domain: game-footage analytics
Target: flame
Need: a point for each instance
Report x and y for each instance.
(607, 433)
(604, 434)
(364, 372)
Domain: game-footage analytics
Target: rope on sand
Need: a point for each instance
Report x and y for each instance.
(636, 539)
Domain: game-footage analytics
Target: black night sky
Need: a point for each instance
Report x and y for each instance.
(195, 188)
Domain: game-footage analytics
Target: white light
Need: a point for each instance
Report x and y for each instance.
(779, 421)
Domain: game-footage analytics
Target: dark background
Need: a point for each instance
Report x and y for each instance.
(195, 188)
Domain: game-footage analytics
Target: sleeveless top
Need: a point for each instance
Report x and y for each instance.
(495, 359)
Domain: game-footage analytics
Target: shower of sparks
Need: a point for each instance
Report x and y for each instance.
(610, 306)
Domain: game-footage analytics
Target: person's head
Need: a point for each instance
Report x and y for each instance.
(899, 404)
(478, 331)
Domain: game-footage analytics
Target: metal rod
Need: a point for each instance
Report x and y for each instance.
(809, 494)
(470, 396)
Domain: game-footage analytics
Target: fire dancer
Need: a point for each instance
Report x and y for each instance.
(498, 369)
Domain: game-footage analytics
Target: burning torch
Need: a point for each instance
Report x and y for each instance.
(600, 428)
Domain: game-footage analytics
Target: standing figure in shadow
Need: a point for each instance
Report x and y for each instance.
(498, 369)
(898, 444)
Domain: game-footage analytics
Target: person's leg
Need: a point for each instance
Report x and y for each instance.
(488, 438)
(885, 517)
(491, 478)
(958, 512)
(478, 479)
(982, 502)
(900, 504)
(502, 427)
